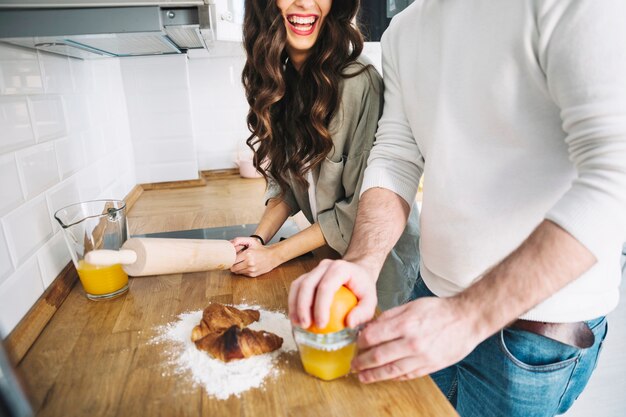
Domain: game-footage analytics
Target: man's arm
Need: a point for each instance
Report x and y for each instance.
(429, 334)
(381, 218)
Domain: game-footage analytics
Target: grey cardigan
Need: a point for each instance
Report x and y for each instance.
(338, 182)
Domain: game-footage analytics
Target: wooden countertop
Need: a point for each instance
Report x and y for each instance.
(96, 359)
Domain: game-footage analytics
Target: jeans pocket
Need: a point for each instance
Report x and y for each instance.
(536, 353)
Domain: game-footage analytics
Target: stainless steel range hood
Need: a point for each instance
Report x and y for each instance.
(95, 32)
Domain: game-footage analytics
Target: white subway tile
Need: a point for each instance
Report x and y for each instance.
(10, 187)
(165, 151)
(128, 182)
(15, 128)
(53, 257)
(83, 76)
(99, 109)
(167, 172)
(93, 143)
(27, 228)
(145, 74)
(6, 264)
(101, 71)
(77, 110)
(19, 71)
(60, 196)
(38, 168)
(57, 75)
(108, 170)
(114, 192)
(70, 155)
(48, 117)
(160, 102)
(88, 183)
(216, 160)
(148, 127)
(18, 294)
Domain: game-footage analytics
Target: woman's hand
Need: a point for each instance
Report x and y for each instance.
(253, 259)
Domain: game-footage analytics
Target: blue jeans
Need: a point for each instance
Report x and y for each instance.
(515, 373)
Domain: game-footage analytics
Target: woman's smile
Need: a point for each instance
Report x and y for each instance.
(302, 24)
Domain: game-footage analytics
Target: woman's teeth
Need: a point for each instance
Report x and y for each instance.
(302, 23)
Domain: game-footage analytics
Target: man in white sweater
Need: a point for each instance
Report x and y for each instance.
(515, 111)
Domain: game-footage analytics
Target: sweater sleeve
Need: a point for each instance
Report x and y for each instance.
(585, 65)
(273, 191)
(341, 174)
(395, 162)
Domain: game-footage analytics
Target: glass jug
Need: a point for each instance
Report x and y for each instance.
(98, 224)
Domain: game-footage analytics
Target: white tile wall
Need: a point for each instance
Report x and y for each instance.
(64, 138)
(27, 228)
(53, 257)
(48, 117)
(18, 294)
(6, 264)
(159, 108)
(219, 110)
(10, 188)
(60, 196)
(16, 130)
(69, 154)
(77, 108)
(38, 168)
(20, 73)
(55, 70)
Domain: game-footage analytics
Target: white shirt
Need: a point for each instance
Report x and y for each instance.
(516, 112)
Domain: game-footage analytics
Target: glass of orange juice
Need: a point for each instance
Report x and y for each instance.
(91, 225)
(326, 356)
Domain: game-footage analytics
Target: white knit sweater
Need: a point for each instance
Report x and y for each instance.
(515, 111)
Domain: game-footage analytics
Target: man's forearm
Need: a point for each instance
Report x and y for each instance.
(380, 220)
(548, 260)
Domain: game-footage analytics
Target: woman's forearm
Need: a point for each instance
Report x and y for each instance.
(302, 242)
(275, 214)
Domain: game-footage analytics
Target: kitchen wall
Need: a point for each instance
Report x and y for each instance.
(64, 137)
(188, 112)
(159, 107)
(73, 130)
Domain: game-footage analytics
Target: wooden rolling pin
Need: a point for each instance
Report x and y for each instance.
(156, 256)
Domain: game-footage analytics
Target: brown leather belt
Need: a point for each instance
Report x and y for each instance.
(574, 334)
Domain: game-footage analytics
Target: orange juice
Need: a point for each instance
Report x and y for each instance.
(326, 356)
(102, 281)
(327, 365)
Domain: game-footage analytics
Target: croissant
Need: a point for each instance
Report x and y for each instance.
(238, 343)
(217, 318)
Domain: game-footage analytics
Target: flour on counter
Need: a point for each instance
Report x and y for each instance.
(220, 379)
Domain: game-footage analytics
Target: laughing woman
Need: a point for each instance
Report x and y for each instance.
(314, 108)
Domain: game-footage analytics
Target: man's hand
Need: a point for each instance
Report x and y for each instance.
(415, 339)
(310, 296)
(253, 259)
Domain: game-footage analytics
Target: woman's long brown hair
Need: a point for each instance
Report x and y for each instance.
(290, 111)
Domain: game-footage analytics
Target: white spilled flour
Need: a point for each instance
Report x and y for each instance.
(220, 379)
